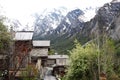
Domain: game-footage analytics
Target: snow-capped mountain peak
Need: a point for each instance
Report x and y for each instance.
(89, 13)
(49, 20)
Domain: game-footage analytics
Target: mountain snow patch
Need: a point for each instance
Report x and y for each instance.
(68, 21)
(64, 27)
(89, 14)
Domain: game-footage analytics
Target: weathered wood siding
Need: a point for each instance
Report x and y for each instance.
(39, 52)
(62, 61)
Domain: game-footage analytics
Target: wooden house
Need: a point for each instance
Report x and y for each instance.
(21, 49)
(39, 52)
(58, 62)
(23, 46)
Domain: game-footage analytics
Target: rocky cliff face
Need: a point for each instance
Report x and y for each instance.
(107, 19)
(70, 25)
(115, 33)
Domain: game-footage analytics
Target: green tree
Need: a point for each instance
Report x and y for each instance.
(51, 52)
(82, 62)
(4, 39)
(31, 73)
(5, 42)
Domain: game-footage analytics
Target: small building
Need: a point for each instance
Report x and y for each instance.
(39, 52)
(57, 60)
(59, 63)
(22, 45)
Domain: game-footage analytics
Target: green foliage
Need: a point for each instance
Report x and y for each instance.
(51, 52)
(107, 56)
(82, 59)
(117, 59)
(118, 51)
(63, 43)
(4, 39)
(118, 48)
(30, 73)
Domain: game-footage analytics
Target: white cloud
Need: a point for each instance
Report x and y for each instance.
(28, 6)
(22, 9)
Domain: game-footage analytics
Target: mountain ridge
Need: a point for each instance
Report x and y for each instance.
(106, 19)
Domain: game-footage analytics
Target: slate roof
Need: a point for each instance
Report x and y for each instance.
(26, 35)
(41, 43)
(58, 56)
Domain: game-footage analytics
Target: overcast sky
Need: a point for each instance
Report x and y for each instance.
(22, 9)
